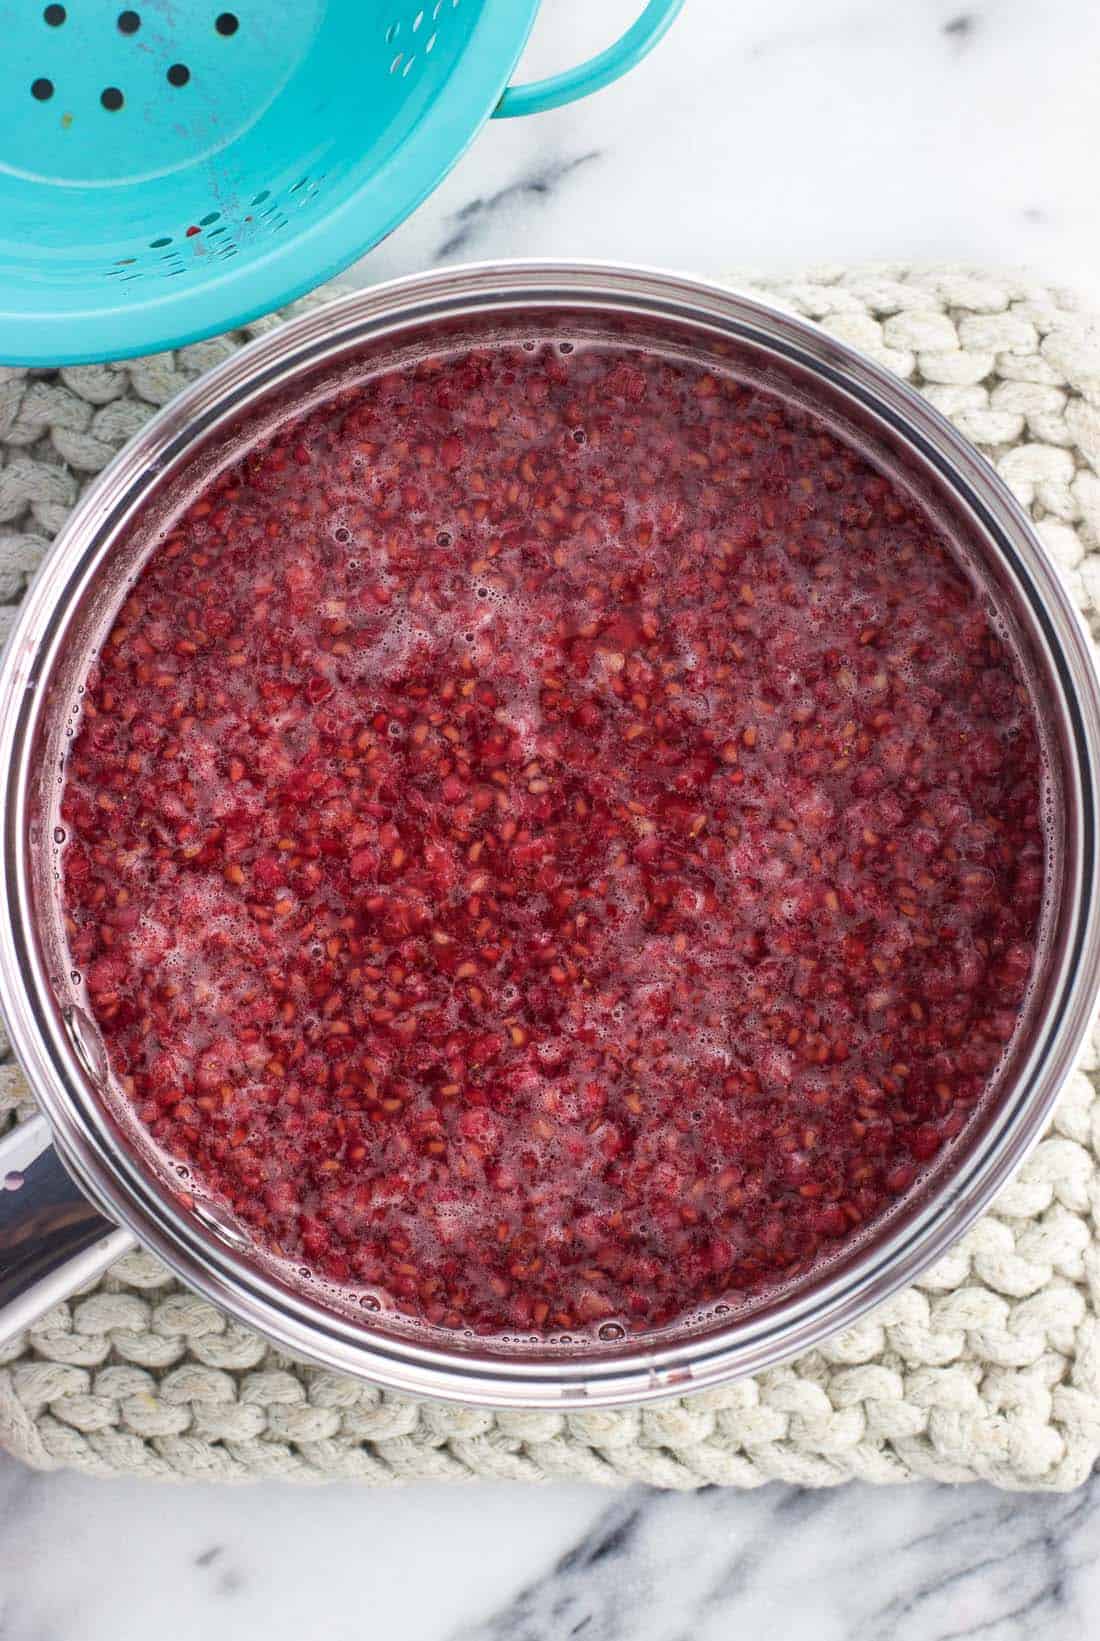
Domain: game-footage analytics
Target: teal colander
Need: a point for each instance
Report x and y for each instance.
(173, 168)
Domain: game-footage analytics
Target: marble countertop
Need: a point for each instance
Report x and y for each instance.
(771, 137)
(84, 1560)
(792, 133)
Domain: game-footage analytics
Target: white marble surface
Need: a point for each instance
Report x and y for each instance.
(766, 136)
(90, 1561)
(793, 132)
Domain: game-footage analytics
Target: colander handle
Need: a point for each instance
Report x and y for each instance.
(599, 71)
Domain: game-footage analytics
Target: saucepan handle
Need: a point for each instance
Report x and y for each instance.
(52, 1240)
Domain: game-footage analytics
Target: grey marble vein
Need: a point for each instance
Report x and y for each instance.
(962, 28)
(471, 221)
(922, 1564)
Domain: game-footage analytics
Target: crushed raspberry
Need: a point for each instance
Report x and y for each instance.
(554, 841)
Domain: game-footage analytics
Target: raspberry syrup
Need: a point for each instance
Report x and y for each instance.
(554, 841)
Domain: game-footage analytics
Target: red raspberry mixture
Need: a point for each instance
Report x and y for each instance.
(555, 839)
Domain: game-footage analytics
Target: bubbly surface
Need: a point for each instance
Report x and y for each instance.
(555, 840)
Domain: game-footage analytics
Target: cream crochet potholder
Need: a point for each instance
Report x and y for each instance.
(989, 1368)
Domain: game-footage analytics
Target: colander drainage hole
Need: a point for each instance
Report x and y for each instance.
(227, 23)
(128, 22)
(54, 16)
(42, 90)
(112, 99)
(179, 74)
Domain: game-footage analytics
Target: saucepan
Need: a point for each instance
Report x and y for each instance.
(79, 1188)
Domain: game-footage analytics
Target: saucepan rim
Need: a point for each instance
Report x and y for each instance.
(215, 1264)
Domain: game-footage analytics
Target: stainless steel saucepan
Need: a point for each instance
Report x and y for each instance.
(78, 1186)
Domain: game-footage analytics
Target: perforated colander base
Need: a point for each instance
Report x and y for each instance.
(113, 99)
(156, 154)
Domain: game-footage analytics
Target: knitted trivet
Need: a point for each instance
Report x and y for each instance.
(988, 1368)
